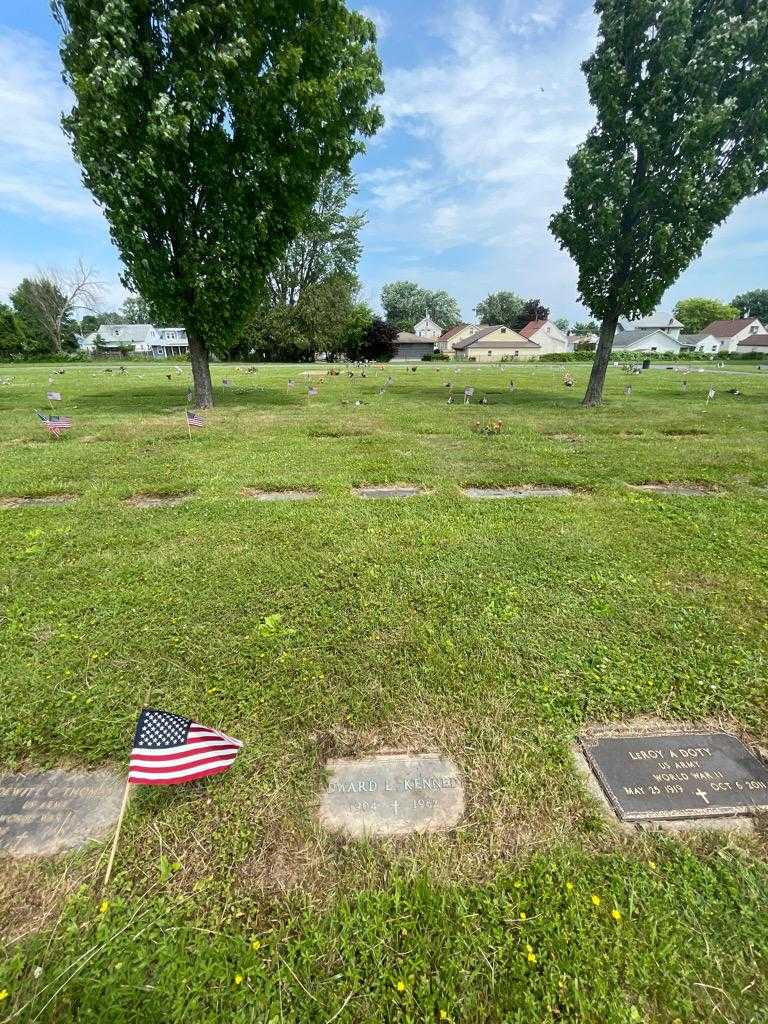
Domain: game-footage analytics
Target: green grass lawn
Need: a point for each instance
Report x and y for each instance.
(493, 631)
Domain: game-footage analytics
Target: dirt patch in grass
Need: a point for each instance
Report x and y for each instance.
(338, 434)
(38, 501)
(684, 490)
(694, 432)
(389, 491)
(157, 500)
(521, 491)
(281, 495)
(31, 894)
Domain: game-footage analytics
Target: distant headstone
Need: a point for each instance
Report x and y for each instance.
(43, 813)
(678, 775)
(392, 795)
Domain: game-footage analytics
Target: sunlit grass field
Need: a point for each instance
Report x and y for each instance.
(493, 631)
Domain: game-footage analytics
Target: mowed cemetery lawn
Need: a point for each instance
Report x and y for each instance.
(492, 631)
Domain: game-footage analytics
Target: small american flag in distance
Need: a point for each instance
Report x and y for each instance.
(194, 419)
(169, 749)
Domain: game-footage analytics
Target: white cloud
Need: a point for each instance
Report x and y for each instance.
(493, 123)
(38, 174)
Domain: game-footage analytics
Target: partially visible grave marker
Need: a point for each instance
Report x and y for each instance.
(43, 813)
(392, 794)
(677, 775)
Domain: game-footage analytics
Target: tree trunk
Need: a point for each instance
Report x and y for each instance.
(201, 370)
(594, 393)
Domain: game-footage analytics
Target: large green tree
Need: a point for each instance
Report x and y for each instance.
(531, 309)
(12, 340)
(754, 303)
(328, 245)
(681, 136)
(694, 314)
(405, 303)
(499, 308)
(204, 131)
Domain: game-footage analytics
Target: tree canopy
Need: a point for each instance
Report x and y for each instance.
(328, 245)
(31, 298)
(531, 309)
(680, 138)
(405, 303)
(754, 303)
(204, 131)
(694, 314)
(499, 308)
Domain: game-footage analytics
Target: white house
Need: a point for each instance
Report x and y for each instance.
(427, 328)
(546, 335)
(704, 343)
(754, 343)
(660, 320)
(648, 341)
(142, 339)
(730, 333)
(494, 343)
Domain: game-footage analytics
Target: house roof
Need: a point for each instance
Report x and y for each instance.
(624, 339)
(692, 339)
(515, 341)
(531, 327)
(446, 335)
(727, 328)
(407, 338)
(659, 320)
(758, 340)
(120, 334)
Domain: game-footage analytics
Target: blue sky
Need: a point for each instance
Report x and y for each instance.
(484, 102)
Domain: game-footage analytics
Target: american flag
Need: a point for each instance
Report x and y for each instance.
(168, 749)
(54, 424)
(194, 419)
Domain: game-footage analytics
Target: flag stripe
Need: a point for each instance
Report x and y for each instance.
(182, 766)
(154, 781)
(180, 773)
(139, 757)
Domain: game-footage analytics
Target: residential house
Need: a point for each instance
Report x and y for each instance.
(492, 344)
(412, 346)
(142, 339)
(704, 343)
(730, 333)
(546, 335)
(645, 341)
(661, 320)
(755, 343)
(455, 334)
(427, 328)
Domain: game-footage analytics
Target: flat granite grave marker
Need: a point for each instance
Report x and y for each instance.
(392, 795)
(43, 813)
(677, 775)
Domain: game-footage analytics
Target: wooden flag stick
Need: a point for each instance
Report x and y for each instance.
(117, 835)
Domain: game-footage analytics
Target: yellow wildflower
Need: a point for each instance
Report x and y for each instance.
(443, 1015)
(596, 900)
(400, 986)
(616, 914)
(523, 915)
(238, 979)
(104, 906)
(652, 865)
(4, 993)
(531, 958)
(569, 886)
(255, 944)
(518, 885)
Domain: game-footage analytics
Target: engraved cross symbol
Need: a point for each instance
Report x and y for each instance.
(703, 795)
